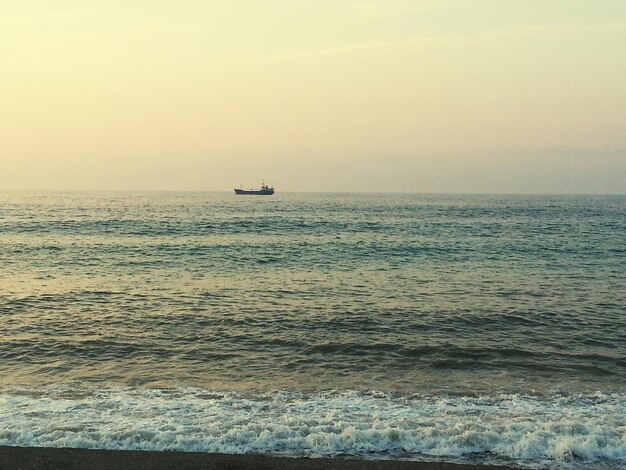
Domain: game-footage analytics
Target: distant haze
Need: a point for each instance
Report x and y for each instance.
(514, 96)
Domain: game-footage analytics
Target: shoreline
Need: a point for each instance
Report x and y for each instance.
(48, 458)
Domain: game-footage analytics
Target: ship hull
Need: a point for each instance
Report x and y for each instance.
(252, 192)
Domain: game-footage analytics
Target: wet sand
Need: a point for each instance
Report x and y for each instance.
(38, 458)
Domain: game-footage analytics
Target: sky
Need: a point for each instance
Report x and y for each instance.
(452, 96)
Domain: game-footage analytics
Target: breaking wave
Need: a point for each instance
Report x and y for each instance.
(558, 431)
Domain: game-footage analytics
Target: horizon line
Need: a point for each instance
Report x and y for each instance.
(460, 193)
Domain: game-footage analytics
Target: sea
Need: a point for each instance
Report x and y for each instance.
(447, 328)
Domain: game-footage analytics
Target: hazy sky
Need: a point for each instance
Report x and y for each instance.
(327, 95)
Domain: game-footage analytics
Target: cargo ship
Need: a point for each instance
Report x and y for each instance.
(264, 191)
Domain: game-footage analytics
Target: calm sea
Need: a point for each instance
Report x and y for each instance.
(428, 327)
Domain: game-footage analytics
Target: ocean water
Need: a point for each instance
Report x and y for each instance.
(457, 328)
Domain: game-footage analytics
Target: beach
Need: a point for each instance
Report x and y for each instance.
(39, 458)
(359, 234)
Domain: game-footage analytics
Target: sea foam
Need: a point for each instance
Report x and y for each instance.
(573, 431)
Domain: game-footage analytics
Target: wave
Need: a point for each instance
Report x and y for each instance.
(555, 431)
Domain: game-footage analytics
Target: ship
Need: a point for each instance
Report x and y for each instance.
(264, 191)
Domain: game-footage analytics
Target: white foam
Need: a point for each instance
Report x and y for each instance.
(545, 432)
